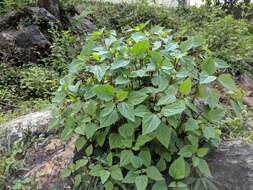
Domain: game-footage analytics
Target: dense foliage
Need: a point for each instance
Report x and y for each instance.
(224, 35)
(144, 107)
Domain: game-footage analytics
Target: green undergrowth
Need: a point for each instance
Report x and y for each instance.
(224, 33)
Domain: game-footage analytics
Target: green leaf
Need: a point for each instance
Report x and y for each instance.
(104, 92)
(138, 36)
(219, 63)
(109, 107)
(109, 159)
(216, 114)
(227, 81)
(191, 125)
(201, 152)
(80, 130)
(108, 185)
(167, 99)
(141, 140)
(80, 142)
(205, 79)
(119, 64)
(78, 180)
(150, 123)
(195, 161)
(89, 150)
(114, 141)
(203, 168)
(110, 119)
(138, 73)
(141, 111)
(127, 130)
(208, 132)
(130, 177)
(116, 173)
(187, 151)
(194, 140)
(99, 71)
(90, 107)
(81, 163)
(104, 176)
(121, 95)
(120, 80)
(173, 109)
(209, 66)
(178, 185)
(136, 162)
(153, 173)
(126, 110)
(185, 87)
(156, 58)
(125, 157)
(146, 157)
(163, 134)
(140, 48)
(67, 133)
(90, 130)
(213, 97)
(66, 173)
(160, 185)
(141, 182)
(192, 42)
(177, 169)
(136, 97)
(161, 165)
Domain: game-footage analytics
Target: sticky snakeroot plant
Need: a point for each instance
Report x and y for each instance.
(144, 110)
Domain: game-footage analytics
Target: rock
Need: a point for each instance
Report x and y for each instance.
(52, 6)
(82, 25)
(14, 19)
(23, 42)
(31, 37)
(248, 101)
(46, 159)
(26, 45)
(232, 166)
(250, 124)
(33, 124)
(246, 83)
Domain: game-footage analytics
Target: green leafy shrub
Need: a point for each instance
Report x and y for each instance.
(9, 5)
(63, 50)
(144, 109)
(224, 34)
(231, 40)
(38, 82)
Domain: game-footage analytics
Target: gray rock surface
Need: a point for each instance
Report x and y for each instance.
(14, 19)
(232, 166)
(24, 36)
(33, 124)
(52, 6)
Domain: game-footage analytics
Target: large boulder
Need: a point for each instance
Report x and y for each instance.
(53, 6)
(49, 156)
(40, 16)
(25, 45)
(231, 164)
(33, 124)
(24, 35)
